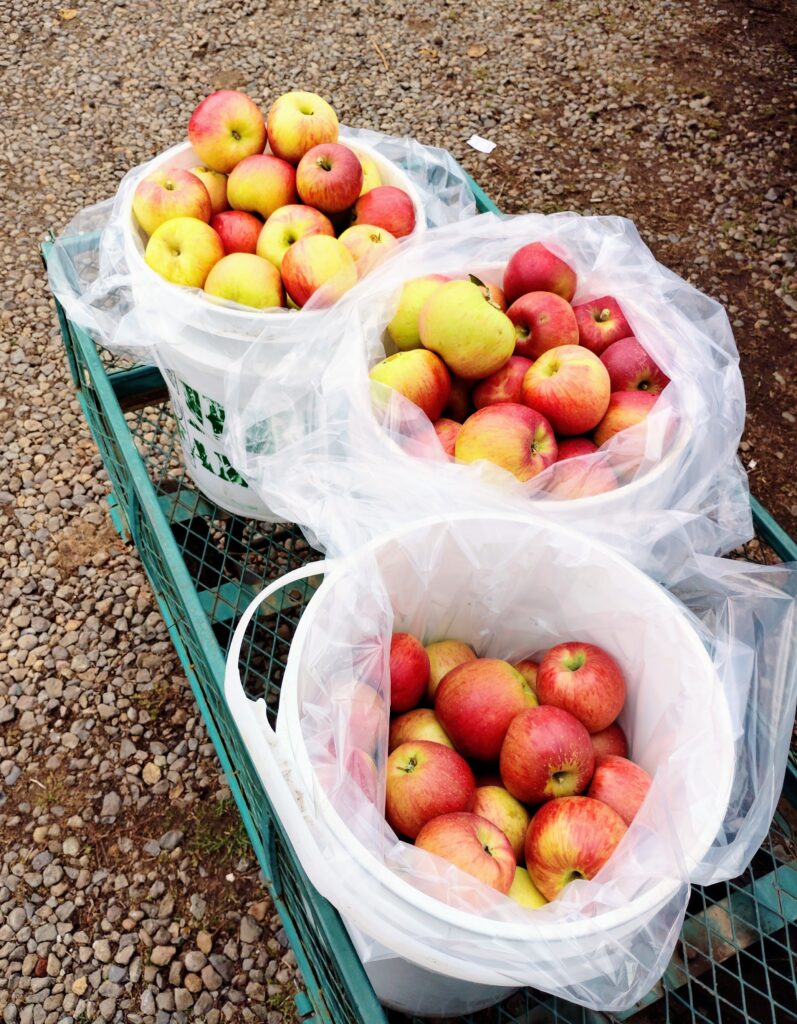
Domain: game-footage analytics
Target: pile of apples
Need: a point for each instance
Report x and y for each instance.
(269, 229)
(518, 375)
(507, 763)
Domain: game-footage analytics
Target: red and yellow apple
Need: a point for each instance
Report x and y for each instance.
(367, 245)
(574, 447)
(512, 436)
(409, 671)
(610, 740)
(403, 327)
(226, 128)
(497, 805)
(472, 844)
(542, 320)
(386, 207)
(625, 409)
(504, 385)
(621, 784)
(443, 656)
(216, 184)
(261, 184)
(247, 279)
(447, 431)
(584, 680)
(419, 724)
(573, 480)
(329, 177)
(533, 268)
(473, 337)
(419, 375)
(600, 323)
(183, 250)
(632, 369)
(359, 715)
(425, 780)
(165, 194)
(459, 405)
(569, 386)
(237, 230)
(546, 753)
(287, 225)
(297, 121)
(319, 266)
(528, 669)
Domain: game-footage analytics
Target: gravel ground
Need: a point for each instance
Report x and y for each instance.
(127, 890)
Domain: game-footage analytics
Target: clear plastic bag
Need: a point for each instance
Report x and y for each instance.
(712, 680)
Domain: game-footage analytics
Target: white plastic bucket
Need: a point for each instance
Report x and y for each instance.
(195, 367)
(630, 615)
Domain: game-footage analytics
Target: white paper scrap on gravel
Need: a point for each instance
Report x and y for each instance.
(483, 145)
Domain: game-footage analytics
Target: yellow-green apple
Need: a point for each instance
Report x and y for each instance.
(424, 781)
(403, 327)
(472, 844)
(619, 783)
(287, 225)
(572, 480)
(329, 177)
(570, 387)
(460, 399)
(632, 369)
(625, 409)
(476, 701)
(387, 207)
(409, 671)
(504, 385)
(533, 268)
(542, 320)
(261, 184)
(419, 375)
(216, 184)
(184, 250)
(367, 245)
(371, 176)
(318, 264)
(528, 669)
(473, 337)
(226, 128)
(237, 230)
(601, 322)
(568, 839)
(497, 805)
(546, 753)
(297, 121)
(447, 431)
(573, 447)
(583, 680)
(169, 193)
(524, 891)
(512, 436)
(610, 740)
(420, 724)
(247, 279)
(359, 715)
(443, 656)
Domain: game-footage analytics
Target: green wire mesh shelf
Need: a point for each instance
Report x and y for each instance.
(736, 960)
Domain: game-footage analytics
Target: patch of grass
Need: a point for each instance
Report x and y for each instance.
(218, 833)
(153, 700)
(48, 792)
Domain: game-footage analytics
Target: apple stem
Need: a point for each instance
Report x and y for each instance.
(604, 315)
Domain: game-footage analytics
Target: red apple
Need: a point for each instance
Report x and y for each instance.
(419, 375)
(584, 680)
(502, 386)
(497, 805)
(568, 839)
(477, 700)
(319, 266)
(386, 207)
(420, 724)
(425, 780)
(610, 740)
(226, 128)
(546, 753)
(474, 845)
(261, 184)
(459, 405)
(359, 768)
(632, 369)
(512, 436)
(359, 715)
(600, 323)
(237, 230)
(329, 177)
(528, 669)
(409, 671)
(625, 409)
(367, 245)
(443, 656)
(621, 784)
(573, 447)
(533, 268)
(167, 194)
(542, 320)
(569, 386)
(572, 480)
(447, 431)
(286, 226)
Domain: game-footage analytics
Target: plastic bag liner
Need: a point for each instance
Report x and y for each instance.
(351, 457)
(712, 684)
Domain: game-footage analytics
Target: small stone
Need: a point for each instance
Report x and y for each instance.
(211, 979)
(204, 941)
(250, 929)
(79, 985)
(102, 950)
(198, 906)
(107, 1008)
(183, 999)
(151, 773)
(162, 955)
(195, 960)
(71, 846)
(170, 840)
(53, 966)
(111, 805)
(17, 918)
(193, 983)
(147, 1003)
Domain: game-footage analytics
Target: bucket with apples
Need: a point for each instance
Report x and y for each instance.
(502, 752)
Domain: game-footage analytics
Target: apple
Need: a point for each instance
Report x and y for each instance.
(360, 768)
(476, 701)
(319, 266)
(584, 680)
(443, 656)
(216, 184)
(226, 128)
(261, 184)
(542, 320)
(409, 671)
(504, 385)
(472, 844)
(371, 176)
(574, 447)
(419, 375)
(600, 323)
(632, 369)
(491, 292)
(524, 891)
(447, 431)
(570, 387)
(572, 480)
(237, 230)
(568, 839)
(247, 279)
(403, 327)
(625, 409)
(386, 207)
(512, 436)
(297, 121)
(183, 250)
(359, 714)
(169, 193)
(287, 225)
(367, 244)
(533, 268)
(425, 780)
(621, 784)
(546, 753)
(528, 669)
(610, 740)
(473, 337)
(420, 724)
(459, 405)
(497, 805)
(329, 177)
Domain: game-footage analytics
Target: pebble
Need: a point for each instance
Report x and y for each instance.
(170, 840)
(162, 955)
(111, 805)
